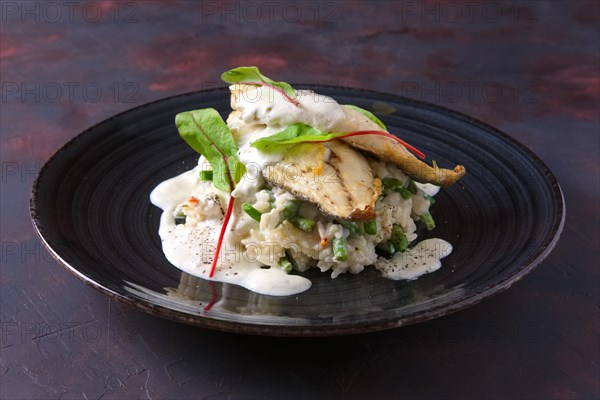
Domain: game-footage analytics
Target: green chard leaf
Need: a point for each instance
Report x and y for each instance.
(252, 74)
(293, 134)
(206, 132)
(367, 114)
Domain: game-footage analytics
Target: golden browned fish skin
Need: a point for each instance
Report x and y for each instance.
(390, 150)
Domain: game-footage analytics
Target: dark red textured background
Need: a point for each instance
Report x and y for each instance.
(529, 68)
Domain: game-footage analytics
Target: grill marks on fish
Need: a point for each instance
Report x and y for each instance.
(346, 189)
(334, 161)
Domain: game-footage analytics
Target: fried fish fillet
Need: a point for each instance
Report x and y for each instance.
(338, 179)
(384, 148)
(389, 150)
(335, 176)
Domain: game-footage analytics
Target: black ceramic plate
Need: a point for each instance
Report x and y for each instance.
(90, 205)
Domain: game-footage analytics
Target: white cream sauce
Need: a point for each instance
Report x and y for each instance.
(428, 188)
(268, 112)
(188, 248)
(263, 105)
(422, 259)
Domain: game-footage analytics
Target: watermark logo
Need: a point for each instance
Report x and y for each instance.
(66, 332)
(269, 11)
(21, 172)
(25, 252)
(71, 92)
(471, 12)
(69, 11)
(472, 92)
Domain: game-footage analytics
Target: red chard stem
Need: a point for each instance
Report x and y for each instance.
(222, 235)
(284, 94)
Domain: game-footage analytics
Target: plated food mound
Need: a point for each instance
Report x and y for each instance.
(294, 180)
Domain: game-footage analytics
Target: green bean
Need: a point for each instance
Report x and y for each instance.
(398, 239)
(398, 186)
(288, 254)
(290, 209)
(352, 227)
(252, 212)
(405, 193)
(285, 265)
(206, 175)
(370, 227)
(340, 249)
(271, 199)
(386, 249)
(305, 224)
(391, 183)
(179, 215)
(411, 186)
(427, 220)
